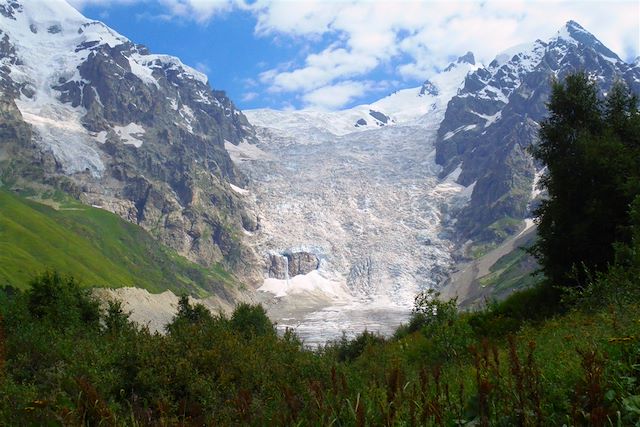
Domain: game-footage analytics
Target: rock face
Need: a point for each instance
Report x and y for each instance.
(302, 263)
(141, 135)
(291, 264)
(493, 119)
(381, 118)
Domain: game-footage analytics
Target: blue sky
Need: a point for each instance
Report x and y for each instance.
(335, 54)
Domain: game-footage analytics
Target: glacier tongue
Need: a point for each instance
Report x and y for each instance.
(368, 204)
(365, 201)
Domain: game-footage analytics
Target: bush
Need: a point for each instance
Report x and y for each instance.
(349, 350)
(502, 318)
(251, 321)
(430, 311)
(189, 314)
(62, 301)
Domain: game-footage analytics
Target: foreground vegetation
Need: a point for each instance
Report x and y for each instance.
(63, 360)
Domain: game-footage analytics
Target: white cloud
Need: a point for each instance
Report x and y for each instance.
(298, 18)
(249, 96)
(320, 69)
(79, 4)
(332, 97)
(426, 34)
(202, 67)
(201, 11)
(197, 10)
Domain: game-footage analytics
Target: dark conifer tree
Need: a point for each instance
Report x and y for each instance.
(589, 147)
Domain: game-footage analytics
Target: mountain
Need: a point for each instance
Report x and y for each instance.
(491, 121)
(142, 135)
(390, 198)
(354, 220)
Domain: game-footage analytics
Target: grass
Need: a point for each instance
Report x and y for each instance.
(96, 246)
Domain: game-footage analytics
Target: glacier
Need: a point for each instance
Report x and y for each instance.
(367, 201)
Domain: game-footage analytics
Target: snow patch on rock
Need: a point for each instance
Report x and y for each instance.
(130, 134)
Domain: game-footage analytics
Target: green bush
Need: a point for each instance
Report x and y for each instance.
(251, 321)
(62, 301)
(347, 350)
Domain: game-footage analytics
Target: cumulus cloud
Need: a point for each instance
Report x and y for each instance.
(319, 70)
(334, 96)
(421, 37)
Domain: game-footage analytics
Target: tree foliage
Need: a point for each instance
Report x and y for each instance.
(591, 149)
(62, 301)
(213, 370)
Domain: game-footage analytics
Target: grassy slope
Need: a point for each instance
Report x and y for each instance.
(94, 245)
(512, 271)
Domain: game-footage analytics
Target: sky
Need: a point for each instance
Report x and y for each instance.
(331, 54)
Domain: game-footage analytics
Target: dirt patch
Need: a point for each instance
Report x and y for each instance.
(155, 310)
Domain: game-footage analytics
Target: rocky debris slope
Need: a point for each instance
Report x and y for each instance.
(139, 134)
(155, 311)
(495, 116)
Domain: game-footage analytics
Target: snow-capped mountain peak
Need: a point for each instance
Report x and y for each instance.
(52, 11)
(51, 56)
(467, 58)
(492, 120)
(574, 33)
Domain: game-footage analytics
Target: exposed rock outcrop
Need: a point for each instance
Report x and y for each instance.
(290, 264)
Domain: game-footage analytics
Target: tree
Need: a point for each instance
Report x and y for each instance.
(590, 149)
(189, 314)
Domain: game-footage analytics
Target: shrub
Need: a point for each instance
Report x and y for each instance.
(251, 321)
(62, 301)
(348, 350)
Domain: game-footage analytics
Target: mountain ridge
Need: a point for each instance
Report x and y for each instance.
(138, 134)
(494, 118)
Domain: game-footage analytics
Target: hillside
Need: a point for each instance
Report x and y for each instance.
(96, 246)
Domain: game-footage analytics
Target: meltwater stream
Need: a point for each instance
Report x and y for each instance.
(319, 327)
